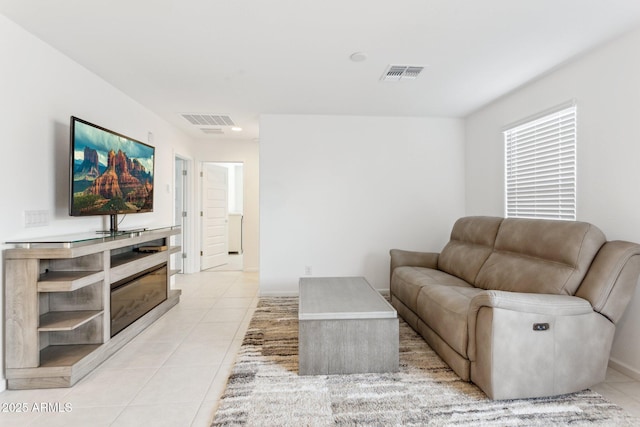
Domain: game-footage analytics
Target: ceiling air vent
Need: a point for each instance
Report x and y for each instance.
(212, 131)
(396, 73)
(198, 119)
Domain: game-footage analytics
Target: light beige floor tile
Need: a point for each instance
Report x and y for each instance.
(197, 353)
(609, 393)
(80, 417)
(240, 293)
(188, 290)
(109, 387)
(205, 414)
(18, 416)
(614, 376)
(203, 302)
(212, 331)
(208, 278)
(234, 263)
(217, 386)
(248, 277)
(165, 415)
(234, 302)
(213, 291)
(187, 278)
(166, 331)
(173, 384)
(249, 315)
(140, 354)
(233, 315)
(34, 396)
(185, 315)
(221, 275)
(242, 331)
(230, 360)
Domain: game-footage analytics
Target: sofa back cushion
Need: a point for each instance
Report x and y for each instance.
(471, 243)
(540, 256)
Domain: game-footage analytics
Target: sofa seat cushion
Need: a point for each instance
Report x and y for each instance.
(445, 309)
(407, 282)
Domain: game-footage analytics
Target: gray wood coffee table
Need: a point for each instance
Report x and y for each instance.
(345, 327)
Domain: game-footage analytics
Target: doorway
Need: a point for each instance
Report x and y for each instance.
(222, 216)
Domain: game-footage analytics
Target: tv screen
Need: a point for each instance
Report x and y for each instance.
(110, 173)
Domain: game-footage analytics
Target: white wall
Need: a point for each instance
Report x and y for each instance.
(41, 89)
(337, 192)
(247, 154)
(606, 86)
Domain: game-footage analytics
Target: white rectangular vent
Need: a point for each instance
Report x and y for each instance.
(198, 119)
(212, 131)
(396, 73)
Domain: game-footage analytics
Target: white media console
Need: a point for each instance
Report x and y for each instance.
(72, 301)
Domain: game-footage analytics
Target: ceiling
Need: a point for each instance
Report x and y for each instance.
(244, 58)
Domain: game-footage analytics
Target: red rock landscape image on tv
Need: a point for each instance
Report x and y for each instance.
(111, 172)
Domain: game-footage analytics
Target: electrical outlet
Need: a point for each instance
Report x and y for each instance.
(36, 218)
(307, 270)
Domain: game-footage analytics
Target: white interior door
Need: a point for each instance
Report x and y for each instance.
(214, 216)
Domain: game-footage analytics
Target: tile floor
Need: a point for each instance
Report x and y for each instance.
(174, 372)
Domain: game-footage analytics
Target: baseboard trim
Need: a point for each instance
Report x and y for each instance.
(624, 369)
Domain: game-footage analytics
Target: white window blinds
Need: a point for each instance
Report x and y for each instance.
(541, 167)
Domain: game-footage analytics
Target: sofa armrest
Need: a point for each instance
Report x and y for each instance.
(539, 304)
(555, 305)
(401, 258)
(531, 345)
(612, 278)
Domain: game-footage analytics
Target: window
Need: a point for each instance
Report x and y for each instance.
(540, 158)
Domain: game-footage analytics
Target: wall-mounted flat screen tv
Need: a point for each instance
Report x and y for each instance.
(110, 173)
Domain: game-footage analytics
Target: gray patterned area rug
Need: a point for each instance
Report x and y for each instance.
(264, 388)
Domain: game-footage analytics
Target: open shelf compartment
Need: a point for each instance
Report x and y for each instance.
(66, 320)
(67, 281)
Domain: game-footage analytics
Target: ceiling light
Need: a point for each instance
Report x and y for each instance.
(212, 131)
(358, 56)
(236, 129)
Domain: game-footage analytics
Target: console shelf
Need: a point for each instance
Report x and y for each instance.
(56, 356)
(58, 302)
(67, 281)
(66, 320)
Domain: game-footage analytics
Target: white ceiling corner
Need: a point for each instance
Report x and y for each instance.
(281, 57)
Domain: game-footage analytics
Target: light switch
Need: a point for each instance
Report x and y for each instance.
(36, 218)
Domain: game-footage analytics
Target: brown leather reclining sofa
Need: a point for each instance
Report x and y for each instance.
(520, 307)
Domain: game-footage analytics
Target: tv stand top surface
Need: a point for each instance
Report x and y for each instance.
(88, 238)
(120, 232)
